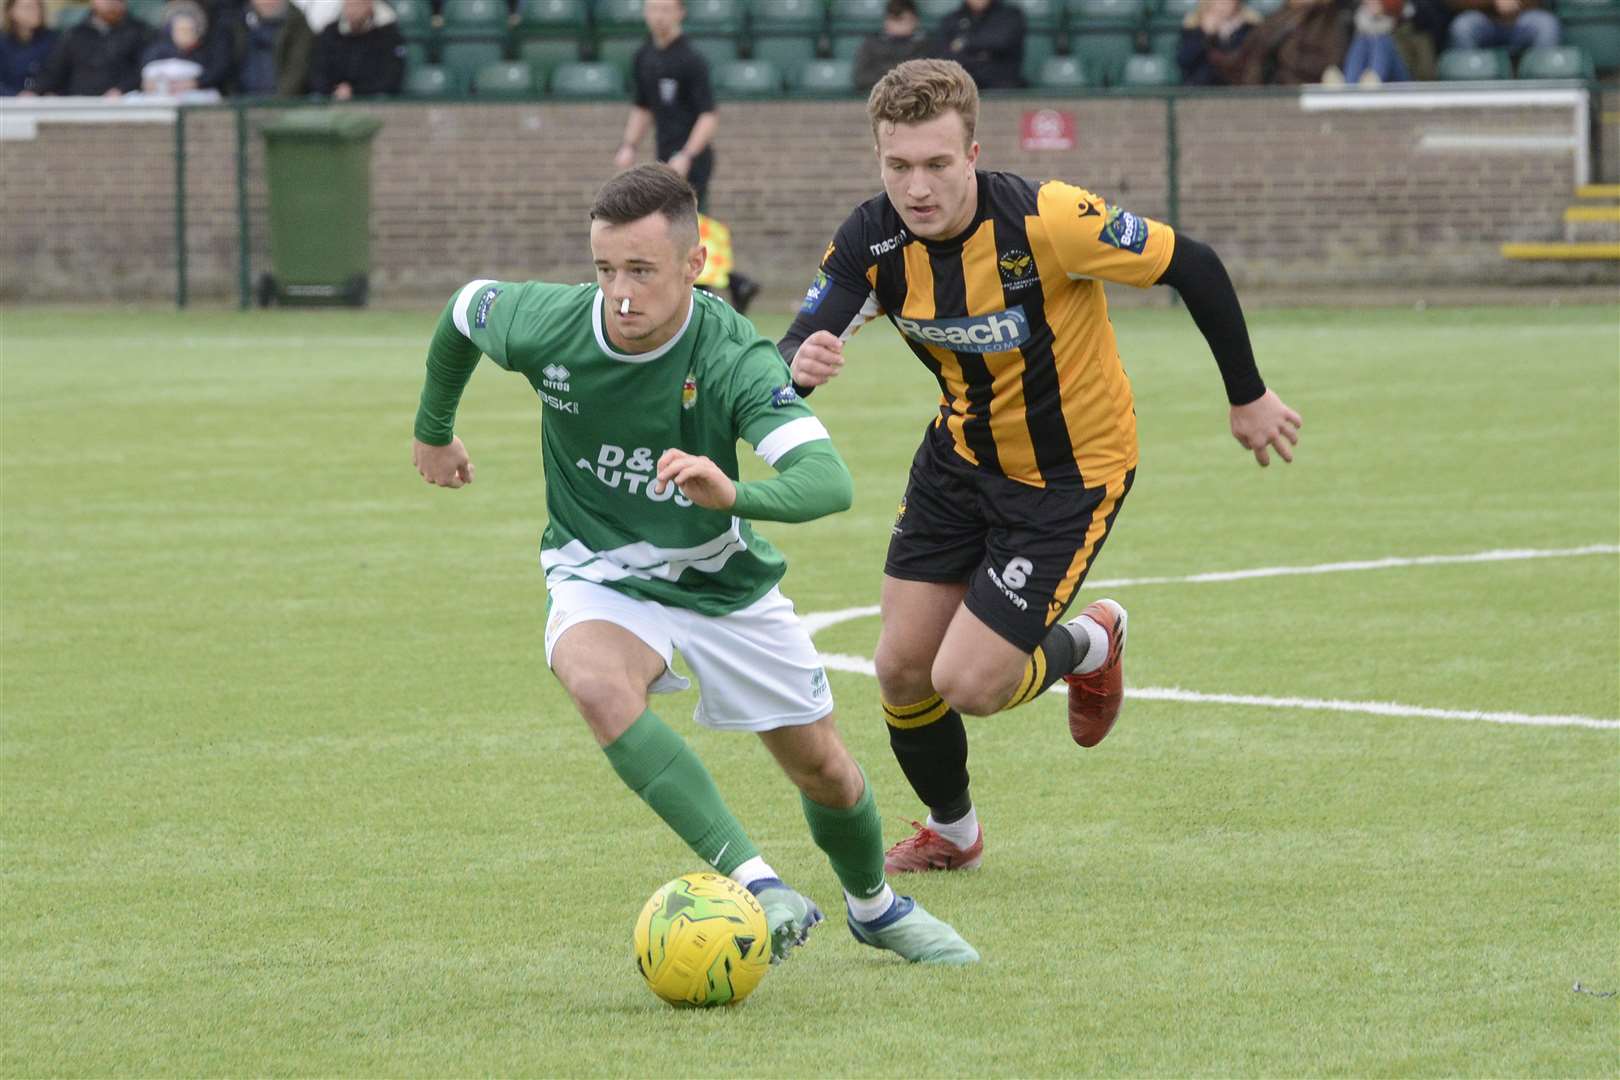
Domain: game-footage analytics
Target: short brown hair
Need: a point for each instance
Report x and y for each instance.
(919, 90)
(647, 189)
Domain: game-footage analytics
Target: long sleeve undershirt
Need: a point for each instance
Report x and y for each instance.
(811, 481)
(1198, 274)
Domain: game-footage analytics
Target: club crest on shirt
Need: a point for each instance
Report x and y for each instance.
(667, 89)
(783, 395)
(1124, 230)
(689, 391)
(1017, 269)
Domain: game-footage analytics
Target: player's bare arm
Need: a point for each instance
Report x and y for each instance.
(445, 466)
(819, 359)
(698, 478)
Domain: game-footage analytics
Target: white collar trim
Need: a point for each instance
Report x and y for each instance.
(635, 358)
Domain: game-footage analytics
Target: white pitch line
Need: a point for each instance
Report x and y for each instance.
(817, 621)
(820, 620)
(860, 665)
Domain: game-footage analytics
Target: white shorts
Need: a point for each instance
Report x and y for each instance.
(756, 668)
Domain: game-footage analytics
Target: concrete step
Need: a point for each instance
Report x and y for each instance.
(1598, 191)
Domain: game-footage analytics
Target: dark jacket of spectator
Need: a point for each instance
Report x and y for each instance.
(368, 58)
(987, 38)
(902, 39)
(25, 45)
(273, 47)
(1210, 52)
(95, 57)
(1294, 46)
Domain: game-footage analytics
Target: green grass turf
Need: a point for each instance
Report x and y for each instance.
(287, 789)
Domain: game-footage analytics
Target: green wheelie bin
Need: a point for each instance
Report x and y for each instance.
(318, 163)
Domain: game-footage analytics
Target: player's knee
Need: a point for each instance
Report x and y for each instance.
(604, 698)
(968, 690)
(831, 779)
(903, 677)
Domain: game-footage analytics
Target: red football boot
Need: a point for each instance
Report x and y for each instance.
(928, 850)
(1094, 699)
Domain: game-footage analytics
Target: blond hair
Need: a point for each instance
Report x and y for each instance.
(917, 91)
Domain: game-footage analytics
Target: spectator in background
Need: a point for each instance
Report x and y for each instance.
(25, 44)
(1490, 24)
(1296, 45)
(101, 56)
(902, 39)
(987, 38)
(1212, 35)
(273, 44)
(360, 55)
(1373, 56)
(179, 60)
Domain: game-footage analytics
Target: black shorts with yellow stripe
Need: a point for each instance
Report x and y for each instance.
(1022, 551)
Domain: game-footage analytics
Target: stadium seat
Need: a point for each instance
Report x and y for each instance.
(618, 51)
(1041, 17)
(1593, 25)
(619, 17)
(1164, 26)
(504, 80)
(1563, 62)
(554, 17)
(1267, 7)
(465, 58)
(788, 17)
(71, 16)
(845, 46)
(714, 17)
(1062, 73)
(582, 80)
(718, 50)
(1103, 32)
(933, 12)
(545, 54)
(825, 78)
(430, 81)
(788, 52)
(149, 12)
(748, 79)
(416, 54)
(1147, 69)
(1474, 64)
(856, 17)
(475, 19)
(1038, 49)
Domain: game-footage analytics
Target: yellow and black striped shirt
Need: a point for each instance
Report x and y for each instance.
(1009, 316)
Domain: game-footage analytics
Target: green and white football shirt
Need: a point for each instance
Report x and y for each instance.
(608, 416)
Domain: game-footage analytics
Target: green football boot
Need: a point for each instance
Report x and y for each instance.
(789, 914)
(914, 934)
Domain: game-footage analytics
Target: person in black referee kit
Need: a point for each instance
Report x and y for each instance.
(674, 97)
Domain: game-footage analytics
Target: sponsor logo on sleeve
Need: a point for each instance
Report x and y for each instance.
(813, 296)
(1124, 230)
(485, 302)
(999, 331)
(783, 396)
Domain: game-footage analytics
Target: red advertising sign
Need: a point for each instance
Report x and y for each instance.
(1047, 129)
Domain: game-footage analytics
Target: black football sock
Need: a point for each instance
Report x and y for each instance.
(930, 743)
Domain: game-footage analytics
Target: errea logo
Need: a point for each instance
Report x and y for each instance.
(999, 331)
(556, 376)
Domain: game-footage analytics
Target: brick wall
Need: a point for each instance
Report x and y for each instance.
(1289, 197)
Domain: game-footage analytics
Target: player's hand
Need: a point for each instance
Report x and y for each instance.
(625, 158)
(447, 466)
(1264, 423)
(698, 478)
(680, 161)
(820, 357)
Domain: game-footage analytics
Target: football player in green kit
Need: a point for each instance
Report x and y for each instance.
(645, 387)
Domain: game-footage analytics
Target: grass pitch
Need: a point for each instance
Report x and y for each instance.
(287, 789)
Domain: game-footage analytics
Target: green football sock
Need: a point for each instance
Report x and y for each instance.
(655, 763)
(852, 839)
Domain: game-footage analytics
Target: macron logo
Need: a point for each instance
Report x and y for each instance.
(997, 332)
